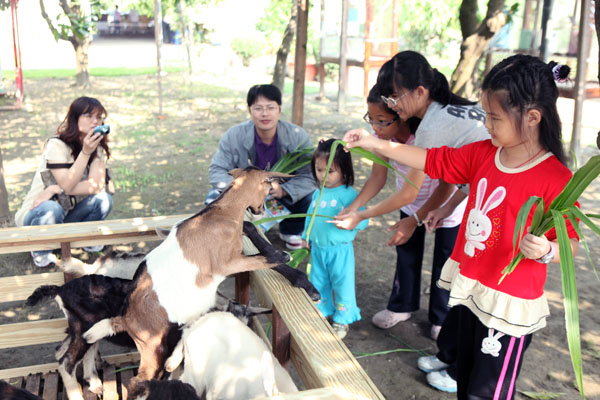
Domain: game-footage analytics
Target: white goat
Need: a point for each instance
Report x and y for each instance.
(227, 360)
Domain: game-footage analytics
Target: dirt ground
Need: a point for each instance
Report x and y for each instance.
(161, 166)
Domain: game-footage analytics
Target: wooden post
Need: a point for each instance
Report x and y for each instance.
(343, 64)
(242, 287)
(281, 339)
(321, 63)
(583, 51)
(395, 15)
(158, 40)
(368, 48)
(300, 60)
(65, 254)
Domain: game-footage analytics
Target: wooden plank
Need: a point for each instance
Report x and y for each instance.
(33, 332)
(51, 367)
(15, 288)
(313, 394)
(319, 356)
(109, 384)
(281, 340)
(125, 378)
(32, 384)
(44, 237)
(50, 386)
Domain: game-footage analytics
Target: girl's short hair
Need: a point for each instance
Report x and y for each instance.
(520, 83)
(268, 91)
(342, 159)
(68, 130)
(409, 70)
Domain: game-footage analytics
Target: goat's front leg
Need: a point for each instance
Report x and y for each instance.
(298, 279)
(266, 249)
(89, 369)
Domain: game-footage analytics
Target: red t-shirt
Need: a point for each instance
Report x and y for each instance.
(484, 245)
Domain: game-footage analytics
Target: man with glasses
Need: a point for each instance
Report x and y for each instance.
(261, 142)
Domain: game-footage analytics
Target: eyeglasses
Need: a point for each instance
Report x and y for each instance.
(269, 109)
(391, 102)
(380, 124)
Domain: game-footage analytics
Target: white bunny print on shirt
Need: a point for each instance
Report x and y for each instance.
(490, 344)
(479, 225)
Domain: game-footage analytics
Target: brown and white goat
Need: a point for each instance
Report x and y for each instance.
(179, 279)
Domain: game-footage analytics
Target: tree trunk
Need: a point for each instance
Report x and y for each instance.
(4, 211)
(82, 46)
(185, 35)
(284, 48)
(473, 46)
(468, 17)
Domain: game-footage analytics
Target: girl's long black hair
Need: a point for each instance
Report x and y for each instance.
(342, 159)
(409, 70)
(521, 83)
(68, 130)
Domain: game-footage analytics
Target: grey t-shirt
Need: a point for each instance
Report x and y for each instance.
(452, 126)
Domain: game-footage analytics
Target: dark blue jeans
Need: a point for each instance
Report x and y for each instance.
(294, 226)
(92, 208)
(406, 292)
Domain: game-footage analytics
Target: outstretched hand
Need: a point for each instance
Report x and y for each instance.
(435, 218)
(403, 231)
(360, 138)
(347, 221)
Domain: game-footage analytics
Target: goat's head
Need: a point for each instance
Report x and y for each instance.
(255, 184)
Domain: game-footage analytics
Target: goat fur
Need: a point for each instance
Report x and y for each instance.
(180, 279)
(225, 359)
(84, 301)
(9, 392)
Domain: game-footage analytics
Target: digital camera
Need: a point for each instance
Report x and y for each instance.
(103, 129)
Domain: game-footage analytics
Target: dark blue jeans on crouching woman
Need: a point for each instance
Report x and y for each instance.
(406, 292)
(93, 208)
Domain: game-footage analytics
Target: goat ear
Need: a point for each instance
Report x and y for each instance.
(162, 232)
(236, 172)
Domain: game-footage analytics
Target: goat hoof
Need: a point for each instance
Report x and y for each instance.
(313, 293)
(279, 257)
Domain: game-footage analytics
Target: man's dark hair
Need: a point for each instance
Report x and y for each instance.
(270, 92)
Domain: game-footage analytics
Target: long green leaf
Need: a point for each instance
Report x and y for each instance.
(569, 286)
(577, 184)
(522, 218)
(381, 353)
(298, 256)
(573, 213)
(541, 395)
(302, 215)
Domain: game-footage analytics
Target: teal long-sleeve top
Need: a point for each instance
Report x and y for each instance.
(334, 200)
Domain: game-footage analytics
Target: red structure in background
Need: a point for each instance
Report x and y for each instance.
(17, 48)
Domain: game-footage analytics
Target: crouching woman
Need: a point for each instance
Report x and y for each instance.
(70, 183)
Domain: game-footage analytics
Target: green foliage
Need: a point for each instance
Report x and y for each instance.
(563, 206)
(428, 25)
(541, 395)
(247, 47)
(4, 4)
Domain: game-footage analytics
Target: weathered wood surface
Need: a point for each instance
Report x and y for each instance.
(115, 359)
(32, 332)
(15, 288)
(79, 234)
(319, 356)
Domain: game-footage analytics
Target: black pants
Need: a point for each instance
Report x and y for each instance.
(294, 226)
(405, 296)
(447, 341)
(482, 375)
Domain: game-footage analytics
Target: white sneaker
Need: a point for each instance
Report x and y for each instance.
(292, 242)
(429, 364)
(340, 329)
(43, 260)
(442, 381)
(94, 249)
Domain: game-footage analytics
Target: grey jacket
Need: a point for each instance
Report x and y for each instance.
(236, 150)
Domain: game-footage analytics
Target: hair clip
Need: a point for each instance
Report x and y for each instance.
(322, 141)
(556, 73)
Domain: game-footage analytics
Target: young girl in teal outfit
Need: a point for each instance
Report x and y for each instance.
(332, 253)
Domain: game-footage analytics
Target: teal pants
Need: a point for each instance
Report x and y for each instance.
(332, 273)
